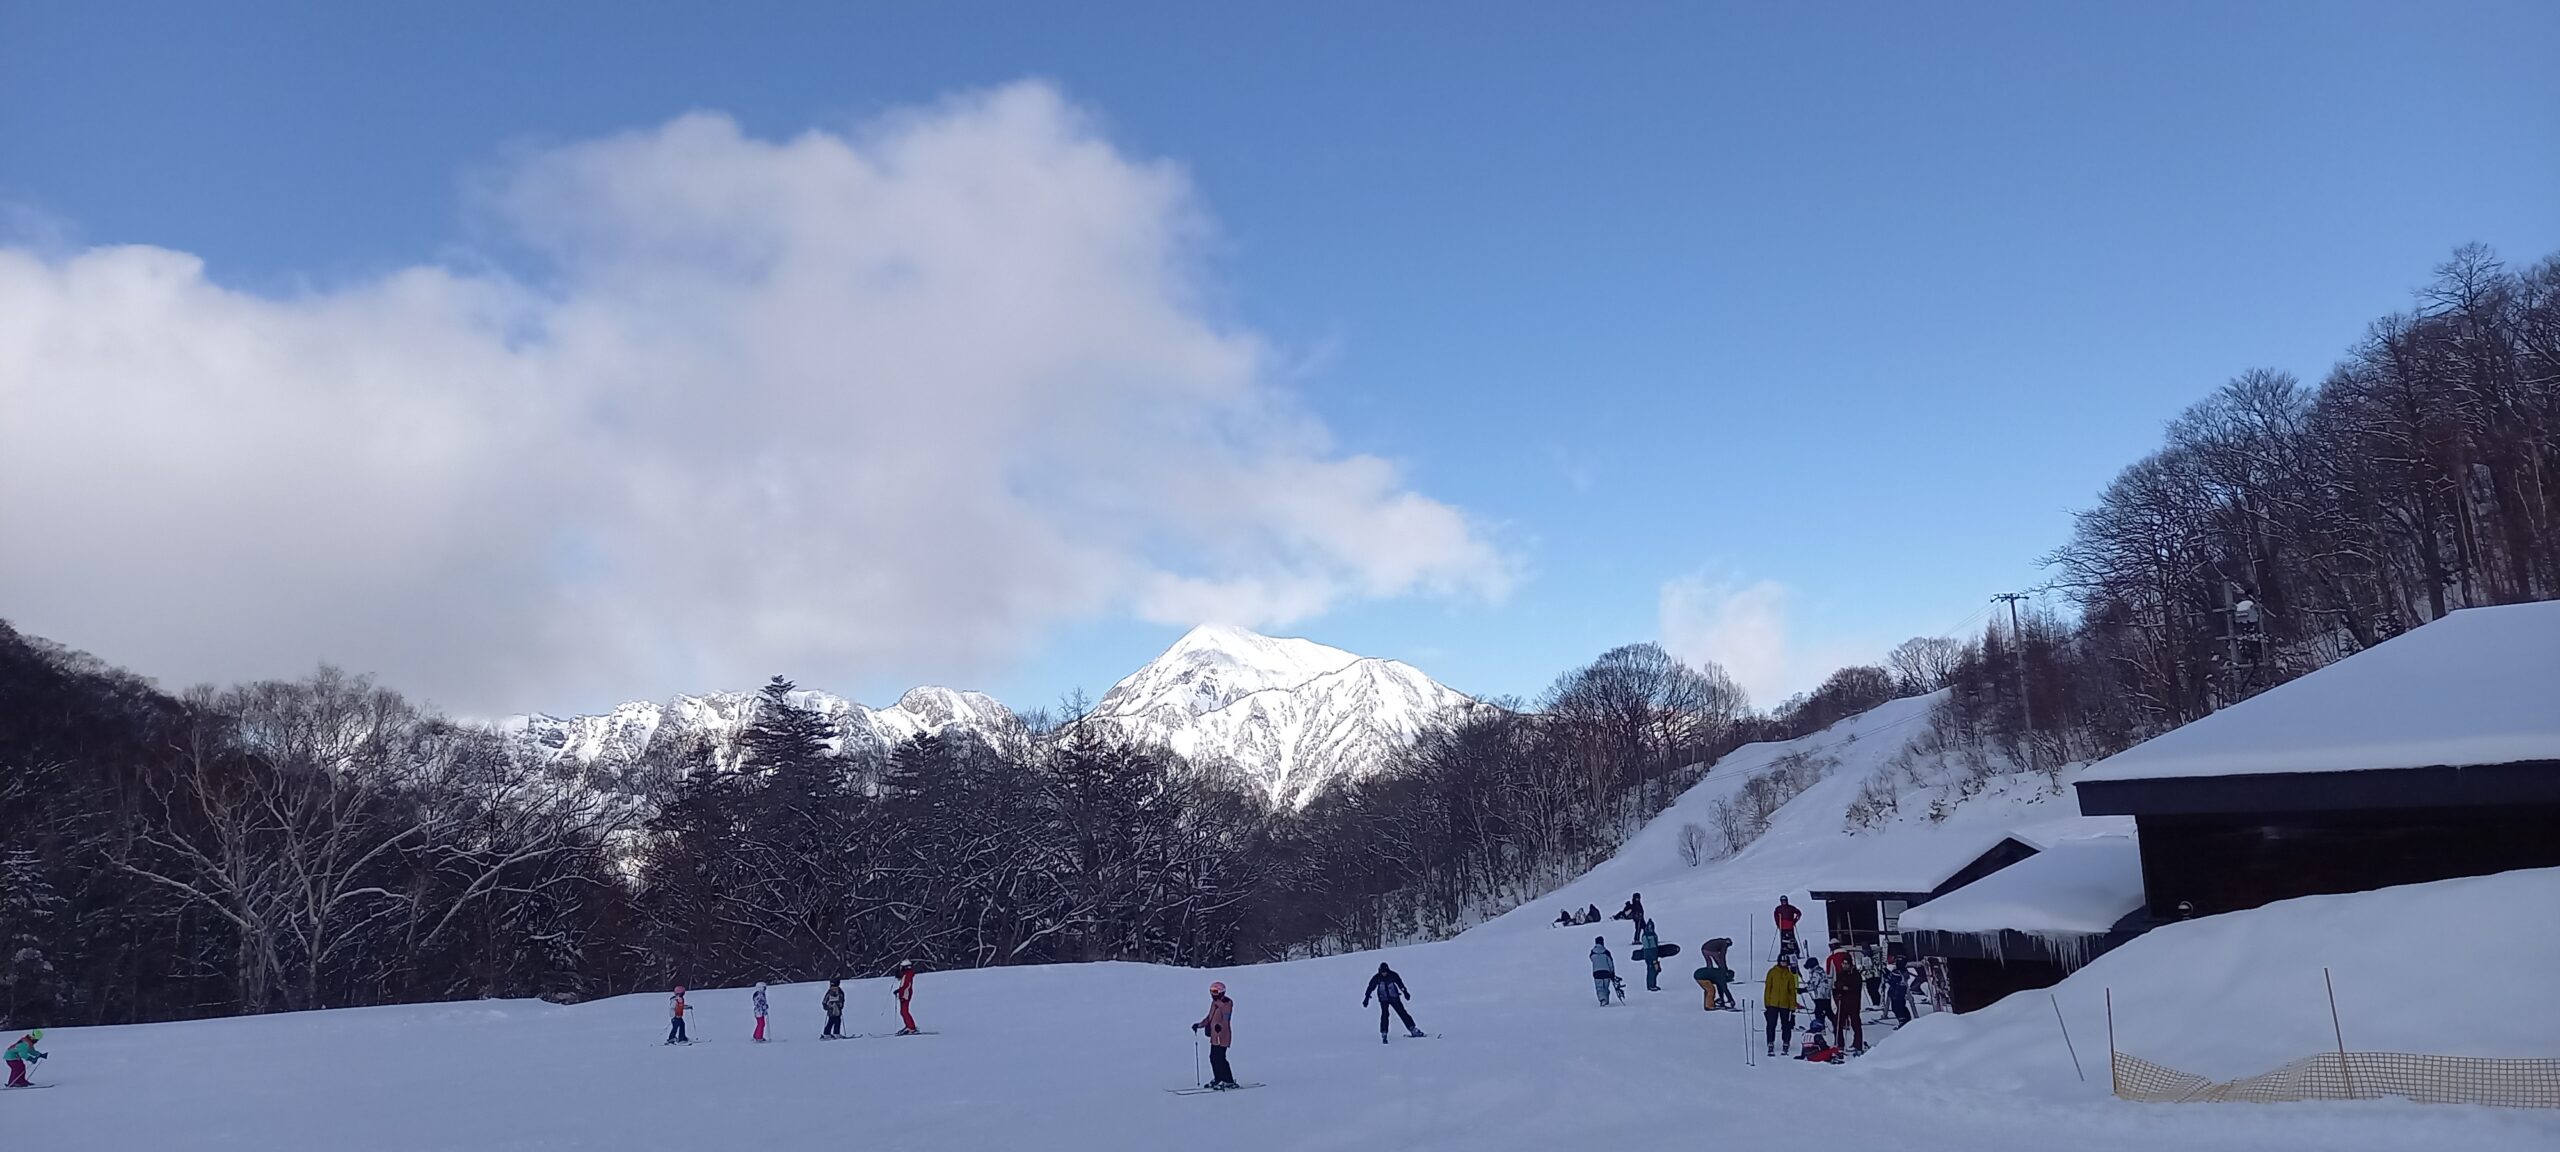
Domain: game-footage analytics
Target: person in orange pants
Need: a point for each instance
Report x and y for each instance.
(906, 993)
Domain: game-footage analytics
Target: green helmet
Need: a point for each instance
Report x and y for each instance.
(36, 1034)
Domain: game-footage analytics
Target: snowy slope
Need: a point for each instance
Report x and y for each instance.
(1293, 714)
(1290, 713)
(1077, 1057)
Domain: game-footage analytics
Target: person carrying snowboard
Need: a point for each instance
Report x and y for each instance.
(761, 1006)
(676, 1008)
(1604, 968)
(1391, 993)
(1220, 1026)
(1646, 945)
(833, 1004)
(906, 994)
(22, 1054)
(1786, 915)
(1778, 1004)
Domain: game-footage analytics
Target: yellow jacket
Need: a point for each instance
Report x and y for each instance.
(1779, 990)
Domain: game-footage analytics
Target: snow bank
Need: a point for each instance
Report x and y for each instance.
(2456, 968)
(2477, 687)
(2076, 887)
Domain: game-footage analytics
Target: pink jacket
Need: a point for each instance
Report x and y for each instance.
(1216, 1023)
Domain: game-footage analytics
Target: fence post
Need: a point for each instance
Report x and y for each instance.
(2115, 1080)
(2066, 1036)
(2344, 1079)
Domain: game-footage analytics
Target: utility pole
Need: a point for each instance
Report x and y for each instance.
(2026, 704)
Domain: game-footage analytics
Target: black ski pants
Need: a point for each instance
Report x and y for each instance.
(835, 1025)
(675, 1030)
(1219, 1073)
(1781, 1024)
(1398, 1005)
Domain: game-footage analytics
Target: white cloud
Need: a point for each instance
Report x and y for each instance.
(886, 402)
(1740, 626)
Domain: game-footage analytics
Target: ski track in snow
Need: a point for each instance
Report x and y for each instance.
(1077, 1057)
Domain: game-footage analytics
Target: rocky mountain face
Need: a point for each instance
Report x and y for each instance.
(1288, 714)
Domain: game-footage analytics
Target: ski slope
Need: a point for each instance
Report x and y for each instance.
(1077, 1057)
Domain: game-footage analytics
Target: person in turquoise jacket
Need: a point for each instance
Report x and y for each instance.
(22, 1054)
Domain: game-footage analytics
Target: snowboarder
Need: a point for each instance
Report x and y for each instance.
(1604, 968)
(1391, 993)
(676, 1008)
(1564, 919)
(1220, 1025)
(761, 1005)
(1647, 945)
(1787, 914)
(1778, 1000)
(1846, 984)
(22, 1054)
(833, 1003)
(1634, 911)
(906, 994)
(1590, 913)
(1816, 986)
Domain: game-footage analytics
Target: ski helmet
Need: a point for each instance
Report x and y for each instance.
(1217, 987)
(35, 1034)
(679, 989)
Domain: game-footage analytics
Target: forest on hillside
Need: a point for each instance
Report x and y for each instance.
(325, 843)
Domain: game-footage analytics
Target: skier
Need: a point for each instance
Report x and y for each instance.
(1846, 983)
(1604, 968)
(906, 994)
(1220, 1025)
(676, 1008)
(22, 1054)
(1648, 944)
(1817, 988)
(833, 1003)
(1778, 1000)
(1897, 991)
(1871, 963)
(1391, 993)
(1787, 914)
(760, 1010)
(1634, 910)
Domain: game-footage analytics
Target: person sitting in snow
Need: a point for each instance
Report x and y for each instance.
(22, 1054)
(1604, 968)
(1564, 919)
(1590, 913)
(1819, 1049)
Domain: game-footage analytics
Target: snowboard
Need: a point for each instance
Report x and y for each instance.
(1664, 952)
(1207, 1091)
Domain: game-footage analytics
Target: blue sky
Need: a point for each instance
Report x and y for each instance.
(1842, 310)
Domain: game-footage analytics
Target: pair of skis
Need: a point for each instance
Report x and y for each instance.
(1204, 1089)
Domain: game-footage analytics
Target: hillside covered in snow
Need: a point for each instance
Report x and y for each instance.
(1519, 1059)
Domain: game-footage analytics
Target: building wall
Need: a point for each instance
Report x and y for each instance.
(2229, 863)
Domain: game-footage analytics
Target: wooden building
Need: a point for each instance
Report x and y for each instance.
(2033, 923)
(1865, 907)
(2433, 755)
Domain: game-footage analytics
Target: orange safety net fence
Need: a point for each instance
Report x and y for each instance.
(2357, 1076)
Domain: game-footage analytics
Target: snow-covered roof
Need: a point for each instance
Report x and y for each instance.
(2481, 686)
(2077, 887)
(1908, 863)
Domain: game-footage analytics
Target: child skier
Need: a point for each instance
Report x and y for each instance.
(1604, 968)
(676, 1008)
(1897, 991)
(833, 1004)
(1816, 986)
(1778, 997)
(1220, 1025)
(761, 1005)
(906, 994)
(22, 1054)
(1390, 990)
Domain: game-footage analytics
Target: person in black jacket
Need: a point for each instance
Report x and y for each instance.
(1634, 910)
(1390, 992)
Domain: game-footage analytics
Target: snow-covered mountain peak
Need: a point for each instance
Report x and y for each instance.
(1215, 665)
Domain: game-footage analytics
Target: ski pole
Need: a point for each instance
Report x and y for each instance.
(1195, 1059)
